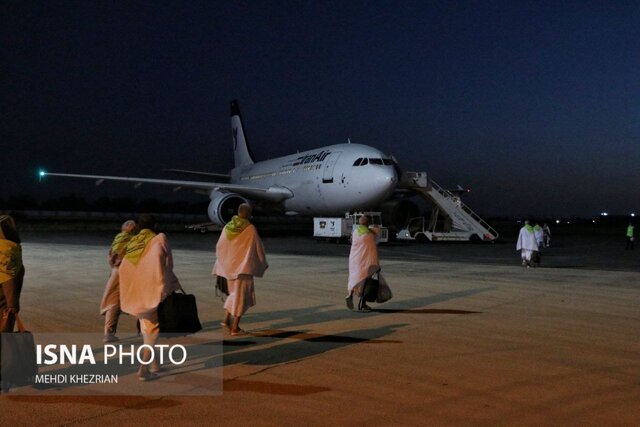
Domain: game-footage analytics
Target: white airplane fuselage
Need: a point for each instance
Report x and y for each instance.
(325, 181)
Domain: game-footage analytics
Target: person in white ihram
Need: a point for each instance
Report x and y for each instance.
(526, 243)
(539, 233)
(110, 304)
(363, 260)
(146, 279)
(239, 258)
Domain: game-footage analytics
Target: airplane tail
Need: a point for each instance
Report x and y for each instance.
(241, 153)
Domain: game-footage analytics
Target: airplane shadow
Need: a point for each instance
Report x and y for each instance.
(300, 344)
(284, 319)
(297, 346)
(305, 345)
(424, 311)
(313, 337)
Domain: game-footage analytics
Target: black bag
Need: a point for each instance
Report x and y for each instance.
(384, 293)
(17, 357)
(536, 257)
(222, 285)
(178, 314)
(370, 289)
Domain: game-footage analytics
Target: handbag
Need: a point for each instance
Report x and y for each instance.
(370, 289)
(384, 293)
(222, 286)
(17, 356)
(178, 314)
(375, 290)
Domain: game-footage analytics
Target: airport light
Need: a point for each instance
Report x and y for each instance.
(633, 214)
(604, 213)
(41, 173)
(557, 221)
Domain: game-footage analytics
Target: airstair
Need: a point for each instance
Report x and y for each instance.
(451, 219)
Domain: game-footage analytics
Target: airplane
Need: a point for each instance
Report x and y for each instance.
(330, 180)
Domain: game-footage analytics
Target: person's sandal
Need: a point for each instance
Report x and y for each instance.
(349, 301)
(148, 376)
(238, 332)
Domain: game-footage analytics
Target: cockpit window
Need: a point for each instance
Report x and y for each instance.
(364, 161)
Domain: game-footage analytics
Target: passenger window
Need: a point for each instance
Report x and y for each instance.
(375, 161)
(357, 162)
(364, 162)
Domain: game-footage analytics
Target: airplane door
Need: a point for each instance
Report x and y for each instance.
(329, 165)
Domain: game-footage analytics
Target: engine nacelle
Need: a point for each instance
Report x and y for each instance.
(224, 206)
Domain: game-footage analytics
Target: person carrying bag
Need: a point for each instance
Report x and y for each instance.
(365, 280)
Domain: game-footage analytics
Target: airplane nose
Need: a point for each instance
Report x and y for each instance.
(386, 179)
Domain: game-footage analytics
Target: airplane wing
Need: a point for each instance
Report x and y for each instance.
(220, 176)
(271, 194)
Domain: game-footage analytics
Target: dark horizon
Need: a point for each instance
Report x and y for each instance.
(532, 105)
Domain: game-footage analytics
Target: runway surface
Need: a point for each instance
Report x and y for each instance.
(470, 337)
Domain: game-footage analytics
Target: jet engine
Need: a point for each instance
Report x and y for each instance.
(224, 206)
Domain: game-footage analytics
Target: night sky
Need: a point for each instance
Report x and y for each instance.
(533, 105)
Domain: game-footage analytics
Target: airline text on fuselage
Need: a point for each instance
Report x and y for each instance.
(318, 157)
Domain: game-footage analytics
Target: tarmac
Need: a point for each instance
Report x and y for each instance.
(469, 338)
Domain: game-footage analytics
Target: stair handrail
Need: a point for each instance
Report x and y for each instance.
(447, 194)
